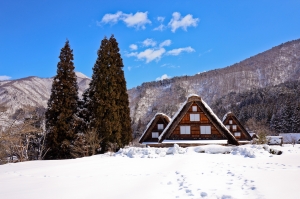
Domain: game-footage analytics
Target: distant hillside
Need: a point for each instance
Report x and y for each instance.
(277, 107)
(31, 91)
(272, 67)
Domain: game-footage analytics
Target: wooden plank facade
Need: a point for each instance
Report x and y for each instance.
(195, 126)
(236, 128)
(154, 129)
(196, 122)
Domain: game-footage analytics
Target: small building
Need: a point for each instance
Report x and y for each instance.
(274, 140)
(236, 128)
(154, 129)
(196, 124)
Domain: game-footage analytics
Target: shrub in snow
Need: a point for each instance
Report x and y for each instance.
(131, 152)
(175, 150)
(213, 149)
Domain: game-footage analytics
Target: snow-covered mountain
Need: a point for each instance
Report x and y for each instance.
(272, 67)
(32, 91)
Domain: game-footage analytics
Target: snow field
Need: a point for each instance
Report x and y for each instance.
(209, 171)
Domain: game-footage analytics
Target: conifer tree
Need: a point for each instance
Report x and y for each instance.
(62, 106)
(106, 96)
(122, 101)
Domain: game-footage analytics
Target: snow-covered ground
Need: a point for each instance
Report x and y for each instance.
(210, 171)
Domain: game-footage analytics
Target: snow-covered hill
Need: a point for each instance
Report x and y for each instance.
(272, 67)
(32, 91)
(247, 171)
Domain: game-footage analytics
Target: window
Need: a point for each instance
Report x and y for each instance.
(160, 126)
(194, 108)
(205, 130)
(194, 117)
(237, 134)
(154, 134)
(185, 130)
(228, 127)
(234, 127)
(230, 121)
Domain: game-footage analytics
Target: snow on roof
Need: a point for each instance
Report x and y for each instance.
(225, 116)
(149, 124)
(191, 95)
(288, 137)
(175, 115)
(195, 141)
(81, 75)
(218, 120)
(206, 106)
(150, 143)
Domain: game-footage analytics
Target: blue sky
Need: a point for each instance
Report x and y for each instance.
(157, 39)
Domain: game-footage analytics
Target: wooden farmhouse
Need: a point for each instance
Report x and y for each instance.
(196, 124)
(154, 129)
(236, 128)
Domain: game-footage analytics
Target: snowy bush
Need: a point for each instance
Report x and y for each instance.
(213, 149)
(175, 150)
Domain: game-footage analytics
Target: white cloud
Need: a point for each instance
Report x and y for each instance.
(112, 18)
(160, 19)
(151, 54)
(165, 76)
(137, 20)
(133, 47)
(177, 51)
(4, 77)
(208, 51)
(132, 54)
(165, 43)
(161, 27)
(178, 22)
(149, 42)
(169, 66)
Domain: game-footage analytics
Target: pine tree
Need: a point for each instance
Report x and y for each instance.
(106, 100)
(123, 102)
(62, 106)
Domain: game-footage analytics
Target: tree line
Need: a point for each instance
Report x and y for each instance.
(276, 108)
(72, 127)
(98, 122)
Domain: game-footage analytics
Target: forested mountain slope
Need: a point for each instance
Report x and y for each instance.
(272, 67)
(277, 107)
(269, 68)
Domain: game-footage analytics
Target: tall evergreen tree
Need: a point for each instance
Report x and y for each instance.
(106, 98)
(123, 102)
(62, 106)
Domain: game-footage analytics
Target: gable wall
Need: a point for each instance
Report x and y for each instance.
(195, 127)
(238, 129)
(154, 128)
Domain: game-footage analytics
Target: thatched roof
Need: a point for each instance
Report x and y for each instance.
(243, 130)
(151, 124)
(208, 112)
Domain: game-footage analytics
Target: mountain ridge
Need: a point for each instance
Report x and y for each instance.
(271, 67)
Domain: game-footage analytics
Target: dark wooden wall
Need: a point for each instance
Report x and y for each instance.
(154, 128)
(238, 129)
(195, 127)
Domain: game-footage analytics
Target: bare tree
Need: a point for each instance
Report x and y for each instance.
(22, 135)
(260, 130)
(86, 144)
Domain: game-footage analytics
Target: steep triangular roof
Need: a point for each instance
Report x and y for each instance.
(152, 122)
(231, 115)
(208, 112)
